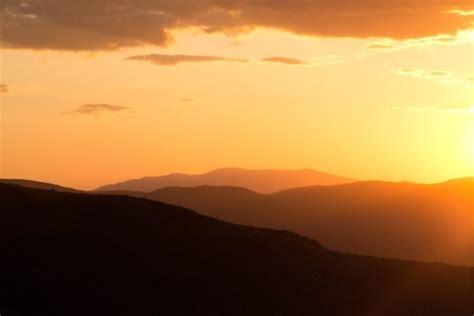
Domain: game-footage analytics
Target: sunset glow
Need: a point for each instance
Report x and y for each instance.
(236, 157)
(395, 101)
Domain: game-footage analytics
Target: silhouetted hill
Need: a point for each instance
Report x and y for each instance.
(264, 181)
(397, 220)
(234, 204)
(38, 185)
(78, 254)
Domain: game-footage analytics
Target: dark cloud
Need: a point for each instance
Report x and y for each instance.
(284, 60)
(109, 24)
(4, 88)
(96, 109)
(170, 60)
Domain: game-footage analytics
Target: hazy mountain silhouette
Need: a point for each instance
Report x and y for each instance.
(38, 185)
(397, 220)
(79, 254)
(263, 181)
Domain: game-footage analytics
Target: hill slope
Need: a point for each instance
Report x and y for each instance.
(398, 220)
(38, 185)
(77, 254)
(264, 181)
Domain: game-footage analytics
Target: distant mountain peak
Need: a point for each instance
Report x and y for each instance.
(262, 181)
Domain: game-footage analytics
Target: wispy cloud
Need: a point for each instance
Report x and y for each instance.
(4, 88)
(96, 109)
(445, 77)
(387, 44)
(462, 12)
(380, 46)
(418, 73)
(171, 60)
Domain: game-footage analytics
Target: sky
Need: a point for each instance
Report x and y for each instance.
(94, 92)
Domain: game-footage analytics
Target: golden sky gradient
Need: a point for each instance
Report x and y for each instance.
(105, 96)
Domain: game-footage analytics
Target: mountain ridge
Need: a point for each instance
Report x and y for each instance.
(34, 184)
(371, 218)
(262, 181)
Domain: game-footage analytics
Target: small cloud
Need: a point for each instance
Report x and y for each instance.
(380, 46)
(187, 100)
(406, 71)
(284, 60)
(419, 73)
(4, 88)
(462, 12)
(445, 77)
(388, 44)
(468, 80)
(171, 60)
(318, 61)
(437, 74)
(96, 109)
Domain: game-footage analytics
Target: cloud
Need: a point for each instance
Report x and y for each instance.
(379, 46)
(464, 110)
(4, 88)
(418, 73)
(96, 109)
(318, 61)
(387, 44)
(284, 60)
(187, 100)
(445, 77)
(462, 12)
(111, 24)
(170, 60)
(466, 80)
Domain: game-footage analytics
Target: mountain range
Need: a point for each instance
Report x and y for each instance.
(398, 220)
(263, 181)
(83, 254)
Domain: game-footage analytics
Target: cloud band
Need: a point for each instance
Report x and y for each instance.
(110, 24)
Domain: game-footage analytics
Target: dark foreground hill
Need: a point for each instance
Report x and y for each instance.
(263, 181)
(397, 220)
(77, 254)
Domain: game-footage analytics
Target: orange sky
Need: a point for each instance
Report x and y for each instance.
(105, 97)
